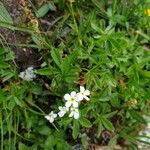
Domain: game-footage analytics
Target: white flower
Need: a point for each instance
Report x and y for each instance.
(74, 113)
(71, 99)
(51, 117)
(83, 94)
(62, 111)
(28, 74)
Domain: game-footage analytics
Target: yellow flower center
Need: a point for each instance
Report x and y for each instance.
(82, 93)
(72, 99)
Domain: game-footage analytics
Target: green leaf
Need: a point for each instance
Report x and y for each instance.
(145, 73)
(65, 121)
(108, 47)
(10, 56)
(84, 141)
(115, 43)
(4, 65)
(36, 40)
(17, 101)
(22, 146)
(98, 4)
(36, 89)
(107, 124)
(63, 145)
(2, 96)
(115, 101)
(95, 27)
(56, 57)
(7, 74)
(11, 104)
(44, 9)
(99, 129)
(84, 122)
(73, 56)
(4, 15)
(113, 141)
(136, 116)
(75, 129)
(12, 27)
(44, 71)
(44, 130)
(50, 142)
(111, 114)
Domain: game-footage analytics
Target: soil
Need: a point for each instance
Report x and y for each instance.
(25, 57)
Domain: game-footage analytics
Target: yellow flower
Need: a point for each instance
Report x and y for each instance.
(147, 12)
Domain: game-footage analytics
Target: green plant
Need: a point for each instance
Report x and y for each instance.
(105, 50)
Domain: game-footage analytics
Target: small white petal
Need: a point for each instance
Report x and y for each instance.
(60, 107)
(86, 98)
(54, 115)
(79, 97)
(67, 109)
(82, 89)
(47, 117)
(62, 111)
(67, 97)
(28, 74)
(76, 115)
(22, 74)
(68, 104)
(51, 116)
(71, 114)
(87, 92)
(30, 68)
(61, 114)
(51, 113)
(51, 120)
(75, 104)
(73, 94)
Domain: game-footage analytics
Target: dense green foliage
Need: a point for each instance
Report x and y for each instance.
(102, 45)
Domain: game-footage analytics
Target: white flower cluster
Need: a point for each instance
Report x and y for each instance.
(72, 103)
(28, 74)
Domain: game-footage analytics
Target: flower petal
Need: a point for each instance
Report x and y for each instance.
(68, 104)
(60, 107)
(67, 97)
(51, 120)
(30, 68)
(86, 98)
(73, 94)
(54, 115)
(51, 113)
(87, 92)
(76, 114)
(79, 97)
(75, 104)
(67, 109)
(61, 114)
(82, 89)
(71, 114)
(47, 117)
(22, 75)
